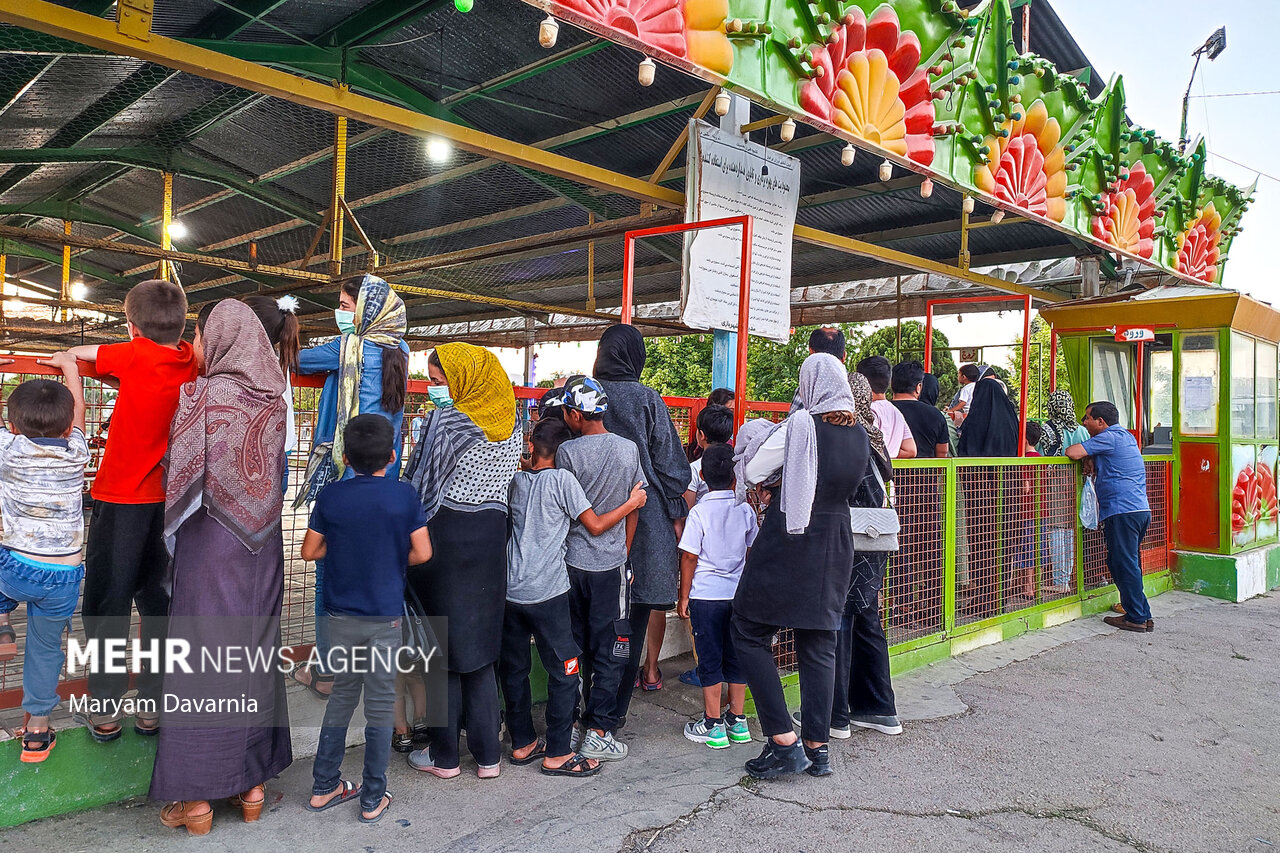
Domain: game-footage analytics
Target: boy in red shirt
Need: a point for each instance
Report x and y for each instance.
(125, 555)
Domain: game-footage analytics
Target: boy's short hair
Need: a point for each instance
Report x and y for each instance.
(717, 467)
(907, 376)
(828, 339)
(1104, 411)
(720, 397)
(547, 436)
(970, 372)
(41, 408)
(716, 423)
(158, 309)
(1035, 432)
(368, 442)
(878, 372)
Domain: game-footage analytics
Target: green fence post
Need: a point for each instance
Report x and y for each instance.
(951, 494)
(1080, 532)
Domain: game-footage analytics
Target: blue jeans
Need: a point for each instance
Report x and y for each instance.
(1124, 532)
(51, 592)
(322, 620)
(374, 645)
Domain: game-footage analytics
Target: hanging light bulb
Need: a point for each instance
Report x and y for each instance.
(646, 71)
(548, 30)
(967, 204)
(438, 150)
(79, 291)
(788, 130)
(177, 230)
(959, 318)
(997, 217)
(926, 188)
(847, 154)
(463, 6)
(886, 170)
(723, 101)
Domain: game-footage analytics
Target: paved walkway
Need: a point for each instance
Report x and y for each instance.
(1072, 739)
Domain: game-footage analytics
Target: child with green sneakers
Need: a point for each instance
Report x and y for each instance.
(717, 535)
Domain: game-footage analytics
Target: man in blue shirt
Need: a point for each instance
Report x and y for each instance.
(1121, 483)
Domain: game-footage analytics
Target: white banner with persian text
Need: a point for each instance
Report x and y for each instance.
(730, 176)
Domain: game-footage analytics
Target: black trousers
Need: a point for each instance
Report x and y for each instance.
(598, 605)
(473, 696)
(863, 686)
(125, 565)
(639, 633)
(816, 655)
(549, 624)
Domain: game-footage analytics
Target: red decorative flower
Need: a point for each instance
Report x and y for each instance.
(869, 84)
(1198, 246)
(1026, 167)
(658, 23)
(1266, 495)
(1130, 218)
(1246, 500)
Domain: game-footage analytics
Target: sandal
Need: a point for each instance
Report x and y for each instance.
(151, 729)
(251, 809)
(36, 746)
(402, 742)
(578, 765)
(311, 684)
(8, 643)
(101, 732)
(539, 750)
(376, 814)
(650, 686)
(175, 815)
(341, 794)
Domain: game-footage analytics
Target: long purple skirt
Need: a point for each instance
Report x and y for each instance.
(226, 604)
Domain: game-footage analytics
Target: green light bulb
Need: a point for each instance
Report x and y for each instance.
(463, 5)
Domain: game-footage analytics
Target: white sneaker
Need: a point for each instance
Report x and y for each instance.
(575, 738)
(602, 748)
(835, 732)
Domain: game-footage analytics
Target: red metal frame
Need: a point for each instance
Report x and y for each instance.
(1026, 346)
(744, 288)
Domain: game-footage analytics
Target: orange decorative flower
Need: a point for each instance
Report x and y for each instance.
(1026, 168)
(657, 23)
(704, 33)
(869, 84)
(1130, 218)
(1198, 246)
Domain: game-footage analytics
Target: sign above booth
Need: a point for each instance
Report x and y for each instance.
(1133, 334)
(943, 91)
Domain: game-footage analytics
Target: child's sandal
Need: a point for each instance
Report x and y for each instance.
(402, 742)
(36, 746)
(103, 732)
(8, 643)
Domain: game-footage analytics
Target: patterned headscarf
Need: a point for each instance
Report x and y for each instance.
(1062, 419)
(861, 390)
(823, 390)
(226, 444)
(381, 320)
(480, 388)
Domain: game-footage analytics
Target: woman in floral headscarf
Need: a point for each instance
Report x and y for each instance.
(1061, 429)
(367, 372)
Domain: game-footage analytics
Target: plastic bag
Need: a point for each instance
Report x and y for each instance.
(1089, 505)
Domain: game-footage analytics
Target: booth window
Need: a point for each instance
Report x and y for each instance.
(1113, 377)
(1198, 405)
(1243, 367)
(1265, 390)
(1157, 395)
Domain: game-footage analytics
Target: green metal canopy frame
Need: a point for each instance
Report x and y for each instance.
(943, 91)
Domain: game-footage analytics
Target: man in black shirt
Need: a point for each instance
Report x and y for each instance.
(928, 424)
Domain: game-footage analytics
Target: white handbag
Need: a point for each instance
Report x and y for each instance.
(875, 528)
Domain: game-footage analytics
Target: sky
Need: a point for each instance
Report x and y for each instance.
(1149, 43)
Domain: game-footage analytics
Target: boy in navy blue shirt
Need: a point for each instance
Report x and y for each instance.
(368, 529)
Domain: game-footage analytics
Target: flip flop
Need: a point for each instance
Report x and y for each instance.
(146, 731)
(650, 686)
(690, 677)
(345, 792)
(539, 750)
(383, 808)
(576, 766)
(101, 732)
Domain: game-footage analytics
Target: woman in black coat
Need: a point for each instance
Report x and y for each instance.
(797, 574)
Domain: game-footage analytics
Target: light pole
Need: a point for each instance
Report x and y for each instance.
(1214, 47)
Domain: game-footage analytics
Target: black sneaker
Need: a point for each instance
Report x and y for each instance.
(776, 760)
(820, 760)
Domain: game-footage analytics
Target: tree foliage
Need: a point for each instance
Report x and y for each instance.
(885, 342)
(1039, 371)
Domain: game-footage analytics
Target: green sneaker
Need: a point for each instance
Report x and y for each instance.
(712, 736)
(738, 732)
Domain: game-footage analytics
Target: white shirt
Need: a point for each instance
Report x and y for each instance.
(696, 484)
(892, 424)
(719, 530)
(769, 457)
(290, 427)
(966, 397)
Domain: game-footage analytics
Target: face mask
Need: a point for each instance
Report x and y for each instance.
(439, 395)
(346, 321)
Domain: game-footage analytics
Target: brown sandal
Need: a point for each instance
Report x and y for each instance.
(175, 815)
(251, 809)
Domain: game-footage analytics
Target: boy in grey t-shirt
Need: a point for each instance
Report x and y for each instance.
(543, 501)
(606, 465)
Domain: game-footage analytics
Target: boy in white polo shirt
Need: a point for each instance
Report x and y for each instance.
(717, 536)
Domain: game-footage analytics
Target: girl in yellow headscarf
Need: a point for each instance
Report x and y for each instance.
(462, 469)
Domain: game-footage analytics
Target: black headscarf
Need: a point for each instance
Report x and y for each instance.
(991, 427)
(929, 389)
(621, 355)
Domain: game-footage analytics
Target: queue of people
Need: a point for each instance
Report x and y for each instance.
(578, 551)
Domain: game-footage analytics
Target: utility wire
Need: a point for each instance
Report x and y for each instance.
(1238, 94)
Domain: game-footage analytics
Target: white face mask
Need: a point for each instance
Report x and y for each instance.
(346, 321)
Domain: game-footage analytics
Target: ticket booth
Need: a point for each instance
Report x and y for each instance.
(1193, 372)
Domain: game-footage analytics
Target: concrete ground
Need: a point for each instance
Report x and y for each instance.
(1076, 738)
